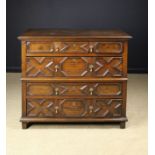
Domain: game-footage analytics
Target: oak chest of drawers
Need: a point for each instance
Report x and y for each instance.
(74, 76)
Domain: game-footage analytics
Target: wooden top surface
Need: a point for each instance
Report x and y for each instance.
(72, 33)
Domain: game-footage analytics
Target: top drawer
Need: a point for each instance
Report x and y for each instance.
(74, 47)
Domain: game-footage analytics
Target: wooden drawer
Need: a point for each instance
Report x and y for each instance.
(74, 67)
(45, 89)
(75, 108)
(75, 47)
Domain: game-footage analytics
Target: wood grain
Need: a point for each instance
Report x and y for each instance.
(74, 76)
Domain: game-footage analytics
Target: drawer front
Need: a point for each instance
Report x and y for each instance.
(74, 67)
(58, 47)
(75, 47)
(106, 89)
(74, 108)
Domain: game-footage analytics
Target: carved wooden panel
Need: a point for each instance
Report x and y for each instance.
(74, 66)
(57, 47)
(108, 66)
(74, 47)
(40, 66)
(107, 47)
(104, 108)
(74, 89)
(40, 47)
(40, 108)
(107, 108)
(105, 89)
(40, 89)
(74, 108)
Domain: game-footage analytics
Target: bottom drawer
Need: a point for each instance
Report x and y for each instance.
(74, 108)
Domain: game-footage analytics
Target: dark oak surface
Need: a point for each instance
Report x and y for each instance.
(74, 67)
(72, 33)
(46, 89)
(70, 80)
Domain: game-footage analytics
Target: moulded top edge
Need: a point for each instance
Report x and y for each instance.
(72, 33)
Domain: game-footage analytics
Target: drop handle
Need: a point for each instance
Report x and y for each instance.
(91, 91)
(56, 91)
(57, 50)
(56, 68)
(56, 109)
(91, 68)
(91, 49)
(51, 50)
(27, 43)
(91, 109)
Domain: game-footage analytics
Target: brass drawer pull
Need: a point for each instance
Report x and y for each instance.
(91, 109)
(57, 50)
(91, 91)
(27, 43)
(56, 68)
(56, 91)
(91, 49)
(51, 50)
(56, 109)
(91, 68)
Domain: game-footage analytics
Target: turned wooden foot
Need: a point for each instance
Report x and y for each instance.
(122, 125)
(25, 125)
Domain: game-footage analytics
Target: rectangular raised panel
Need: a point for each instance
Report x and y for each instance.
(74, 67)
(39, 89)
(75, 47)
(109, 89)
(74, 108)
(41, 47)
(74, 89)
(108, 47)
